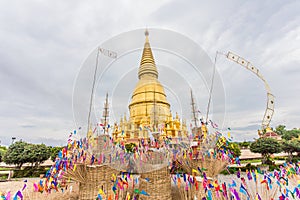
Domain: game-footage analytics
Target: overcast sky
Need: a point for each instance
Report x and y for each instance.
(44, 44)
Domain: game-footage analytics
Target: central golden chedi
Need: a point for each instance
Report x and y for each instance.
(149, 109)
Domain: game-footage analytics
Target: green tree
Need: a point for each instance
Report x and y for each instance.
(291, 146)
(244, 144)
(16, 154)
(38, 153)
(266, 147)
(280, 129)
(23, 152)
(290, 134)
(54, 152)
(235, 149)
(291, 142)
(2, 152)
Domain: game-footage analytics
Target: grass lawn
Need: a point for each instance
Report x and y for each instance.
(5, 169)
(250, 161)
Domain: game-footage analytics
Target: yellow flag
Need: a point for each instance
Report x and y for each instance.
(128, 196)
(113, 177)
(193, 170)
(101, 192)
(215, 184)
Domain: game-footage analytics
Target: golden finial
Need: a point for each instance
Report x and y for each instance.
(146, 32)
(147, 65)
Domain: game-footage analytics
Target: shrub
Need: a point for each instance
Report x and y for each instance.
(29, 172)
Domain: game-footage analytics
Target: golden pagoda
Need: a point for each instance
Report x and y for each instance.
(149, 109)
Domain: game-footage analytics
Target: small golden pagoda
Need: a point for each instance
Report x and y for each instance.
(149, 109)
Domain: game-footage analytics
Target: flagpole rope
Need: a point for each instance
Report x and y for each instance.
(211, 86)
(93, 88)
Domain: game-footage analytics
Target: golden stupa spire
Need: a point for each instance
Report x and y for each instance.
(147, 66)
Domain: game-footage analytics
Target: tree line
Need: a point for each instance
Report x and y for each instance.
(22, 152)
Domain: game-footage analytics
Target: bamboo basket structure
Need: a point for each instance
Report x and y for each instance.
(91, 179)
(153, 165)
(102, 145)
(149, 161)
(158, 186)
(192, 193)
(212, 166)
